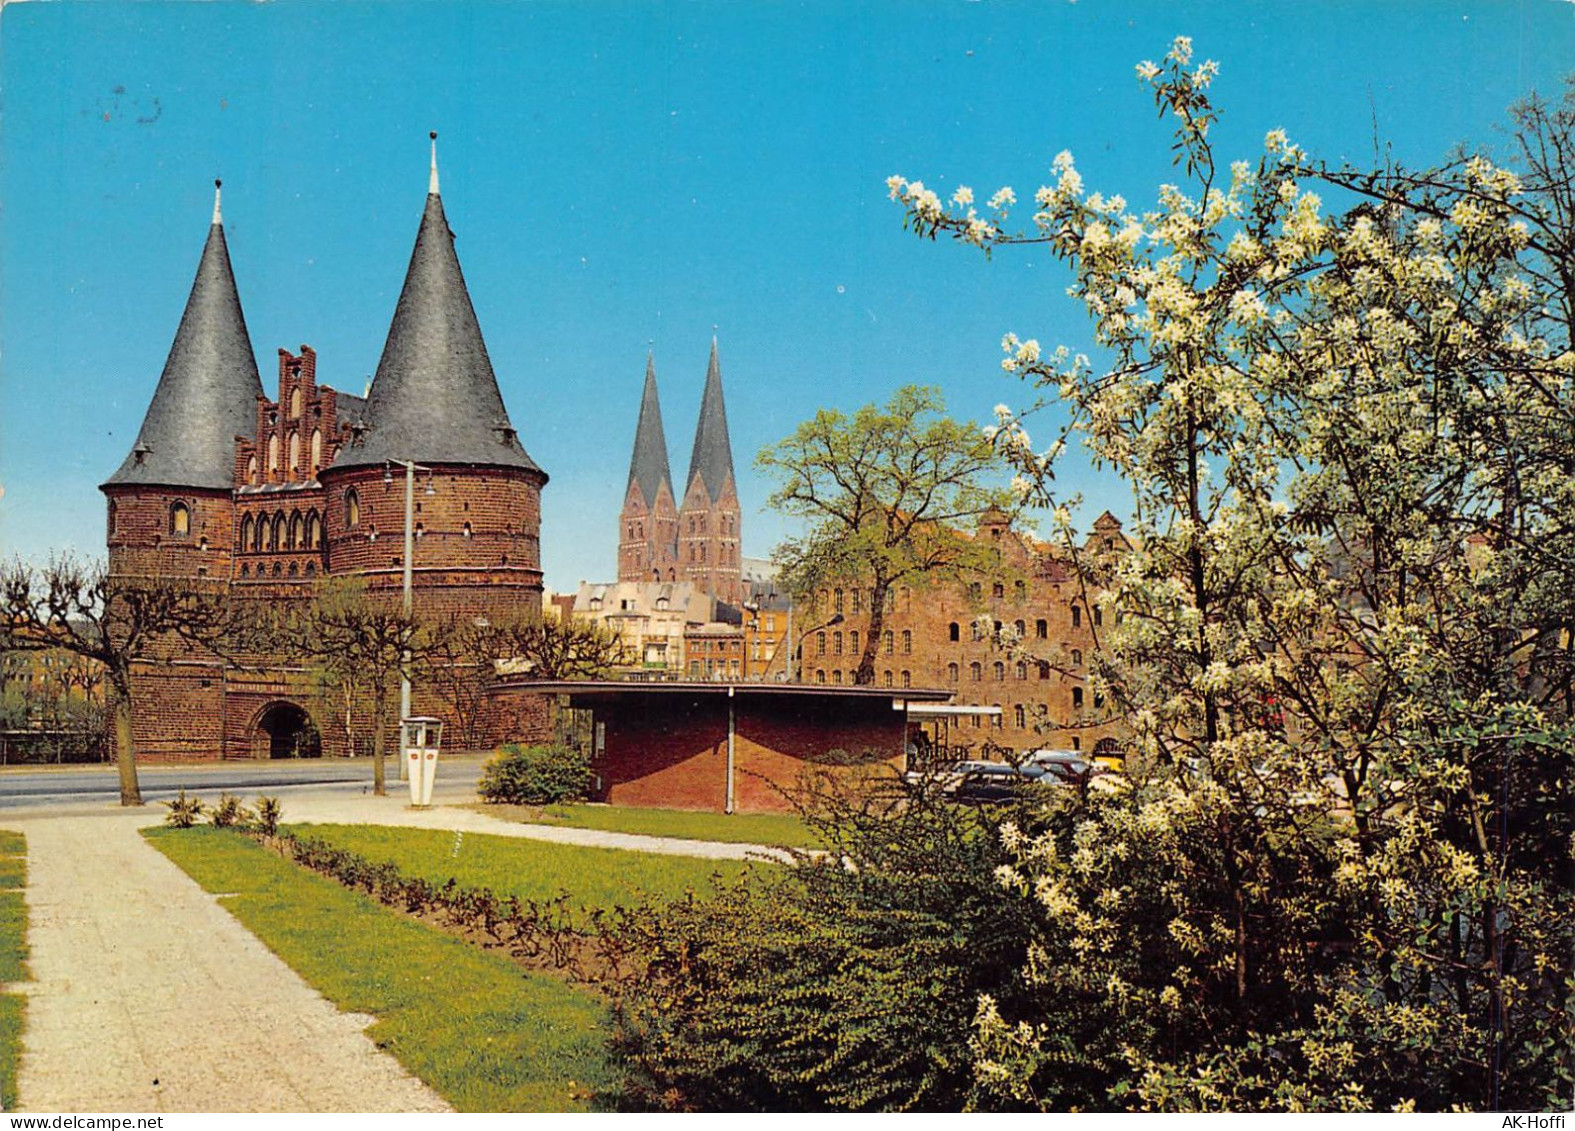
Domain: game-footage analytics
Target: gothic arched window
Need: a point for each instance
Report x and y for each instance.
(317, 448)
(180, 519)
(295, 450)
(246, 533)
(352, 508)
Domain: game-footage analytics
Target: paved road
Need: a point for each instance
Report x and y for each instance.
(27, 787)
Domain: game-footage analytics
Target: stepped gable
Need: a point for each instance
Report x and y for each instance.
(712, 457)
(207, 394)
(648, 469)
(434, 398)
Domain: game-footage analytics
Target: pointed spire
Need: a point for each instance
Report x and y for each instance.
(712, 458)
(207, 394)
(434, 398)
(649, 468)
(432, 182)
(217, 184)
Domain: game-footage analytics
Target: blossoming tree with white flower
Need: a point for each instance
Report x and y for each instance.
(1343, 638)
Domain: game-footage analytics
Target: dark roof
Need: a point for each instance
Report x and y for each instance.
(649, 467)
(207, 394)
(607, 688)
(434, 398)
(712, 458)
(349, 408)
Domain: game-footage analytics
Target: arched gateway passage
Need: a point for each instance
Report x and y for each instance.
(286, 731)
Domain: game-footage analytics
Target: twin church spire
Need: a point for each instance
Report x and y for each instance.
(695, 538)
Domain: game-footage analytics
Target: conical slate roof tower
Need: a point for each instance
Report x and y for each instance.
(207, 394)
(648, 524)
(434, 398)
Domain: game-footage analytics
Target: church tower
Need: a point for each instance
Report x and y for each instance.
(434, 403)
(171, 512)
(709, 519)
(648, 525)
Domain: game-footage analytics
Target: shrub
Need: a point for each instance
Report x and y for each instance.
(535, 775)
(183, 811)
(845, 983)
(229, 813)
(268, 812)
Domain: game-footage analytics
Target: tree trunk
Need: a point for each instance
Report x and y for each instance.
(865, 675)
(126, 750)
(379, 712)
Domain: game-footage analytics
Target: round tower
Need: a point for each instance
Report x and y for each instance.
(435, 429)
(170, 507)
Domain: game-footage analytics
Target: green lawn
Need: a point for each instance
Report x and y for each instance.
(529, 869)
(481, 1032)
(781, 829)
(13, 959)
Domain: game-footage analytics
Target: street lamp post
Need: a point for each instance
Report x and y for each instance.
(411, 467)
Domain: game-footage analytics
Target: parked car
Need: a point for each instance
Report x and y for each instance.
(986, 783)
(1070, 766)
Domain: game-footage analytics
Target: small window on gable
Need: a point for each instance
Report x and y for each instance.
(295, 403)
(352, 508)
(180, 519)
(295, 451)
(317, 448)
(251, 471)
(273, 453)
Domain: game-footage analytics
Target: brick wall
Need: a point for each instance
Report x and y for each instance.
(143, 539)
(1035, 588)
(670, 750)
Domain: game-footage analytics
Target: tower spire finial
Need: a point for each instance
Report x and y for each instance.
(217, 219)
(432, 186)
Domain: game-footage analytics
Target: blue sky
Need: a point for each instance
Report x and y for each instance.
(622, 174)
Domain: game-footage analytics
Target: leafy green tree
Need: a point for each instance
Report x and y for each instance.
(80, 608)
(1343, 636)
(885, 493)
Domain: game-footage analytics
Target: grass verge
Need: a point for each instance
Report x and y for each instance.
(13, 960)
(528, 869)
(483, 1034)
(778, 829)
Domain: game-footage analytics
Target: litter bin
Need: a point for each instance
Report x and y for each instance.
(420, 738)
